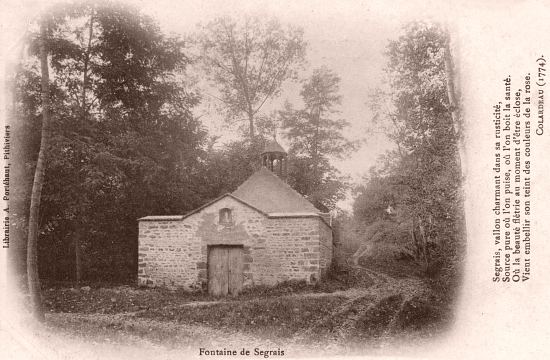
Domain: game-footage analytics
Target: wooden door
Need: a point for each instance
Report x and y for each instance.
(225, 270)
(235, 268)
(217, 271)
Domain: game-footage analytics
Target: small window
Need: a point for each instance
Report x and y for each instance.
(225, 216)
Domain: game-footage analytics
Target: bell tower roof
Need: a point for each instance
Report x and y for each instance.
(274, 158)
(273, 147)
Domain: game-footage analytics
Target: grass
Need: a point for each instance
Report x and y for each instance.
(268, 311)
(279, 317)
(114, 300)
(101, 298)
(165, 317)
(290, 311)
(377, 318)
(395, 268)
(283, 320)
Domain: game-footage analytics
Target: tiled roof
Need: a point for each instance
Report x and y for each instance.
(268, 193)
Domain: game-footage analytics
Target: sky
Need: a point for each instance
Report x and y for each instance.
(349, 37)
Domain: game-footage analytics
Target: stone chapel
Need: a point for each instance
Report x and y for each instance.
(261, 234)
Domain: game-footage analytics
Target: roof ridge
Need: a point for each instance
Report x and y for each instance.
(287, 185)
(289, 198)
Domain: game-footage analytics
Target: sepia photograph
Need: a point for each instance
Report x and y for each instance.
(282, 180)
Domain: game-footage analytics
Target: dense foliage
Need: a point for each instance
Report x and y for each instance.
(421, 178)
(124, 142)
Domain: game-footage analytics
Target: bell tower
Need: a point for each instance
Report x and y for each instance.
(274, 158)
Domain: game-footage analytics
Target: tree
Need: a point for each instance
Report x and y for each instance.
(79, 92)
(248, 62)
(315, 135)
(227, 167)
(108, 66)
(34, 212)
(423, 175)
(375, 195)
(124, 142)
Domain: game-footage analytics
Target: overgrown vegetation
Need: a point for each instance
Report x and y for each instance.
(288, 312)
(418, 183)
(109, 299)
(272, 317)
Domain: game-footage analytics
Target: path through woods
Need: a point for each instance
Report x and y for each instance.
(370, 318)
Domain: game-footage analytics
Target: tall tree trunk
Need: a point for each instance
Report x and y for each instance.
(13, 69)
(79, 231)
(453, 92)
(251, 131)
(315, 154)
(454, 98)
(32, 240)
(420, 244)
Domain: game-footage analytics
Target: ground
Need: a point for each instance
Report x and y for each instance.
(368, 315)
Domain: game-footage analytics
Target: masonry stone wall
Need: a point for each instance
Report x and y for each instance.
(175, 253)
(326, 247)
(291, 251)
(164, 257)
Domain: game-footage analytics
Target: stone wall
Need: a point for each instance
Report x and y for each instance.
(245, 229)
(291, 251)
(326, 248)
(174, 253)
(164, 257)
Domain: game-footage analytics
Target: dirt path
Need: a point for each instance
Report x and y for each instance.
(129, 335)
(344, 319)
(100, 338)
(349, 293)
(120, 335)
(363, 299)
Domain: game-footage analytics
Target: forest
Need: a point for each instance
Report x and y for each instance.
(107, 128)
